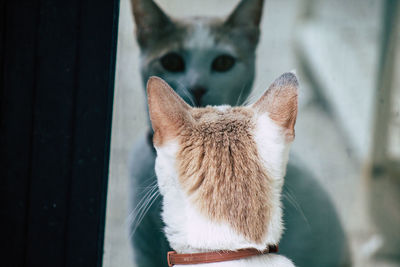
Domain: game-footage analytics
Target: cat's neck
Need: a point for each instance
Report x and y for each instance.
(188, 231)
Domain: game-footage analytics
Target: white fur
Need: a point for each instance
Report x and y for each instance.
(222, 108)
(200, 37)
(272, 146)
(188, 231)
(274, 152)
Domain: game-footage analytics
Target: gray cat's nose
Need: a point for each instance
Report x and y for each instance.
(198, 93)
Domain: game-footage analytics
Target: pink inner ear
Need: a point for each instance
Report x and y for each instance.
(280, 101)
(282, 108)
(168, 112)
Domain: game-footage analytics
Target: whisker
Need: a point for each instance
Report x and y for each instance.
(147, 190)
(137, 218)
(187, 93)
(254, 95)
(147, 206)
(149, 202)
(139, 206)
(240, 95)
(287, 193)
(249, 100)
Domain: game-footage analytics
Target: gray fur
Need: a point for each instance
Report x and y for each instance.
(158, 35)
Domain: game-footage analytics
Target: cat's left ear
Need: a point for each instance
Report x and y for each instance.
(168, 111)
(280, 102)
(151, 21)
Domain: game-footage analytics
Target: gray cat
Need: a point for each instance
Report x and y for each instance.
(212, 62)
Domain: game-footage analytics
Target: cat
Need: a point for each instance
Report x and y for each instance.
(212, 62)
(179, 52)
(220, 170)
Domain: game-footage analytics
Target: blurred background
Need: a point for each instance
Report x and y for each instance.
(347, 56)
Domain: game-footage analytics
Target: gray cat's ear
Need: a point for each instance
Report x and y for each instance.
(280, 102)
(247, 14)
(168, 111)
(151, 21)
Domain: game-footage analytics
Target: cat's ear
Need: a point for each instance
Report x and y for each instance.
(151, 21)
(168, 112)
(247, 14)
(280, 102)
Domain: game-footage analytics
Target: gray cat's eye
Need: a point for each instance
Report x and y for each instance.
(223, 63)
(173, 62)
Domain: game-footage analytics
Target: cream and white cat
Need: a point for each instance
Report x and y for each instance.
(221, 169)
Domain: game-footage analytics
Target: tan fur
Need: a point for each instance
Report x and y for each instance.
(220, 169)
(280, 101)
(218, 163)
(167, 110)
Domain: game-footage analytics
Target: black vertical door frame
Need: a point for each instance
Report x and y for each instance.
(57, 64)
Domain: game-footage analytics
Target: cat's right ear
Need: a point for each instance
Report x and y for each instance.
(247, 14)
(246, 18)
(168, 111)
(151, 21)
(280, 102)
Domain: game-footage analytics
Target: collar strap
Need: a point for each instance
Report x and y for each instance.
(216, 256)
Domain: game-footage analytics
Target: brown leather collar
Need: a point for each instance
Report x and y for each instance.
(215, 256)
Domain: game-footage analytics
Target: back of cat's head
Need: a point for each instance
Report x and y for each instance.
(225, 165)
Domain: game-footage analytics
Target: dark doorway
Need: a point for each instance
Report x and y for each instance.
(56, 94)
